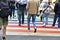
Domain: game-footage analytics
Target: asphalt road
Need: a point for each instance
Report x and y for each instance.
(20, 37)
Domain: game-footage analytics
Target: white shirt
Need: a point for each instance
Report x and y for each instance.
(22, 1)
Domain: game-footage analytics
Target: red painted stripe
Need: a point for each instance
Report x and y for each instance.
(38, 31)
(12, 26)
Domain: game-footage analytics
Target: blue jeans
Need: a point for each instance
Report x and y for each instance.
(45, 21)
(13, 12)
(59, 21)
(55, 18)
(33, 20)
(21, 14)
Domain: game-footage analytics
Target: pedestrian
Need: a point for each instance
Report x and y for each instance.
(12, 7)
(46, 12)
(4, 13)
(57, 13)
(32, 9)
(21, 9)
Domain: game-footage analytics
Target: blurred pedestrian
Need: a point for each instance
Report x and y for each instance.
(12, 7)
(57, 13)
(47, 9)
(21, 9)
(32, 9)
(4, 13)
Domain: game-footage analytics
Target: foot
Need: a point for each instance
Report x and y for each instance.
(4, 38)
(35, 30)
(19, 24)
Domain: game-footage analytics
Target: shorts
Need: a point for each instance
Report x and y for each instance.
(3, 21)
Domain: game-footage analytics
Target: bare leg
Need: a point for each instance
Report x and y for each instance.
(4, 31)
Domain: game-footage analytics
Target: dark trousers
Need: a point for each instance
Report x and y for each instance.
(21, 11)
(41, 16)
(59, 21)
(55, 18)
(22, 17)
(12, 12)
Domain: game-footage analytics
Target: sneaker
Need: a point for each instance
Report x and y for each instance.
(35, 30)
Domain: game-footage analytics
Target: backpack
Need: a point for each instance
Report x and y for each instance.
(4, 10)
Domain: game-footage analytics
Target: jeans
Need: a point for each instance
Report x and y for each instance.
(41, 16)
(33, 20)
(55, 18)
(21, 14)
(45, 21)
(59, 21)
(12, 11)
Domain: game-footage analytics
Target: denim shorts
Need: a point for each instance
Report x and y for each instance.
(3, 21)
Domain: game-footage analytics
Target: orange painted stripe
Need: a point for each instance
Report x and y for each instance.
(31, 26)
(38, 31)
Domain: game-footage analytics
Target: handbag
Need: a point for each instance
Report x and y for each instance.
(5, 12)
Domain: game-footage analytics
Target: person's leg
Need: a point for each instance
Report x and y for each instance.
(59, 21)
(46, 22)
(33, 20)
(5, 23)
(41, 16)
(29, 17)
(43, 20)
(22, 17)
(19, 16)
(0, 23)
(55, 18)
(59, 24)
(13, 12)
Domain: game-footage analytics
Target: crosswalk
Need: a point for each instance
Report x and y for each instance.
(13, 27)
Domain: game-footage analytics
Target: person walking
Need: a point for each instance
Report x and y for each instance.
(21, 9)
(4, 13)
(12, 7)
(57, 13)
(32, 9)
(47, 9)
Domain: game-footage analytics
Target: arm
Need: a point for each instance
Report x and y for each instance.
(17, 4)
(27, 7)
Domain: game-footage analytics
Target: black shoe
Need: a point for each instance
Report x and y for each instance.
(4, 38)
(35, 30)
(19, 24)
